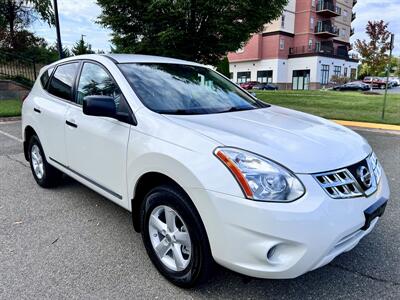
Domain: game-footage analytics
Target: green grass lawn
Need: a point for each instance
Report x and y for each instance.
(352, 106)
(10, 108)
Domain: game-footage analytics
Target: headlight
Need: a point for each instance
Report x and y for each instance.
(376, 167)
(260, 178)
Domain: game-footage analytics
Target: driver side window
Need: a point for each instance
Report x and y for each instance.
(95, 81)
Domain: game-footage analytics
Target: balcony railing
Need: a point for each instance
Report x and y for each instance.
(354, 2)
(322, 50)
(351, 31)
(353, 16)
(328, 9)
(326, 30)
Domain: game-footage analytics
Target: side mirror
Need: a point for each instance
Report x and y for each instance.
(101, 106)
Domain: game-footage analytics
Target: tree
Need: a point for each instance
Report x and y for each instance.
(16, 15)
(198, 30)
(374, 53)
(82, 48)
(223, 66)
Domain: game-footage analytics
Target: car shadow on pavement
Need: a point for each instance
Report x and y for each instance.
(351, 275)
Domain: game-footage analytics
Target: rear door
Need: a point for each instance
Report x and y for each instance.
(51, 107)
(97, 146)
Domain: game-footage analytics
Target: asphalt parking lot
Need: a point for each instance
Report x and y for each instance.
(394, 90)
(72, 243)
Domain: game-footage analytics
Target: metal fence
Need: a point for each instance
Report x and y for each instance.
(16, 67)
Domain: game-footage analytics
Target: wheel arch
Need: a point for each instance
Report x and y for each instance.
(144, 184)
(28, 133)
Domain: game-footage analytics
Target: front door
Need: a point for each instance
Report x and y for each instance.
(97, 146)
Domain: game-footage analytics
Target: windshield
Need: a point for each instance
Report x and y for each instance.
(185, 89)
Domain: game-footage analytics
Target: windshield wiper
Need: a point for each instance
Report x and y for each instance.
(235, 108)
(179, 112)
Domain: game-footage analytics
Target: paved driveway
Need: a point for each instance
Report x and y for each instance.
(70, 242)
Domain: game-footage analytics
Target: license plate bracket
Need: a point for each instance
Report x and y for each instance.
(374, 211)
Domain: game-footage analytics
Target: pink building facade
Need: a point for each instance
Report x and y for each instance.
(302, 49)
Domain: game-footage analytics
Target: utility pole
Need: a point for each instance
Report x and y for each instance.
(59, 45)
(389, 67)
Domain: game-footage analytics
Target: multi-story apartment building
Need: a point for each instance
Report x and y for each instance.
(302, 49)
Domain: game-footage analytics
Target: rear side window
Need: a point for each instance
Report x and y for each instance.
(46, 76)
(63, 80)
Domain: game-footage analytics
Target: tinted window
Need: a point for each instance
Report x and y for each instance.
(95, 81)
(63, 80)
(45, 77)
(185, 89)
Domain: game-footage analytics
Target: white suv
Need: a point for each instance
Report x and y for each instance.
(209, 172)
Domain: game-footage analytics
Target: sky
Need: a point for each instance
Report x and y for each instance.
(78, 17)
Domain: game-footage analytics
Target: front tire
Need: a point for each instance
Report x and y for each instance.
(174, 237)
(45, 175)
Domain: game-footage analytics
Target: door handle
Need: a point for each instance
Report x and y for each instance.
(37, 110)
(71, 124)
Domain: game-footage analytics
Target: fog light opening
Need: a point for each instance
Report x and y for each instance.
(270, 253)
(273, 255)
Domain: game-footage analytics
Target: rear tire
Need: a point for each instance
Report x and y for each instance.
(174, 237)
(45, 175)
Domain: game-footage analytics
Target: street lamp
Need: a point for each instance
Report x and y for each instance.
(388, 68)
(59, 45)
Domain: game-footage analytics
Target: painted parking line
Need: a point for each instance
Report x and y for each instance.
(11, 136)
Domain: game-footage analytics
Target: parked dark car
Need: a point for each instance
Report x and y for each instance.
(353, 86)
(248, 85)
(265, 86)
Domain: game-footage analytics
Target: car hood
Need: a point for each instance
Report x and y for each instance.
(301, 142)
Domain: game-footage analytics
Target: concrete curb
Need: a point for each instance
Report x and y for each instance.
(9, 119)
(368, 125)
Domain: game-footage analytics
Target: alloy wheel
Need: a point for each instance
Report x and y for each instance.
(37, 162)
(170, 238)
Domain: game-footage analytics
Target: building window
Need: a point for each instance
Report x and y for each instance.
(301, 80)
(337, 71)
(343, 32)
(310, 44)
(282, 44)
(325, 74)
(345, 72)
(243, 77)
(317, 46)
(264, 76)
(353, 73)
(283, 21)
(345, 13)
(312, 23)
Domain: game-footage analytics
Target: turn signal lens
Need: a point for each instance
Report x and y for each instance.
(236, 172)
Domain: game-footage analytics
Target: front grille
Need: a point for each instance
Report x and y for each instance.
(339, 184)
(360, 179)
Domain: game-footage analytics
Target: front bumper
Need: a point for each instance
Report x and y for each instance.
(283, 240)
